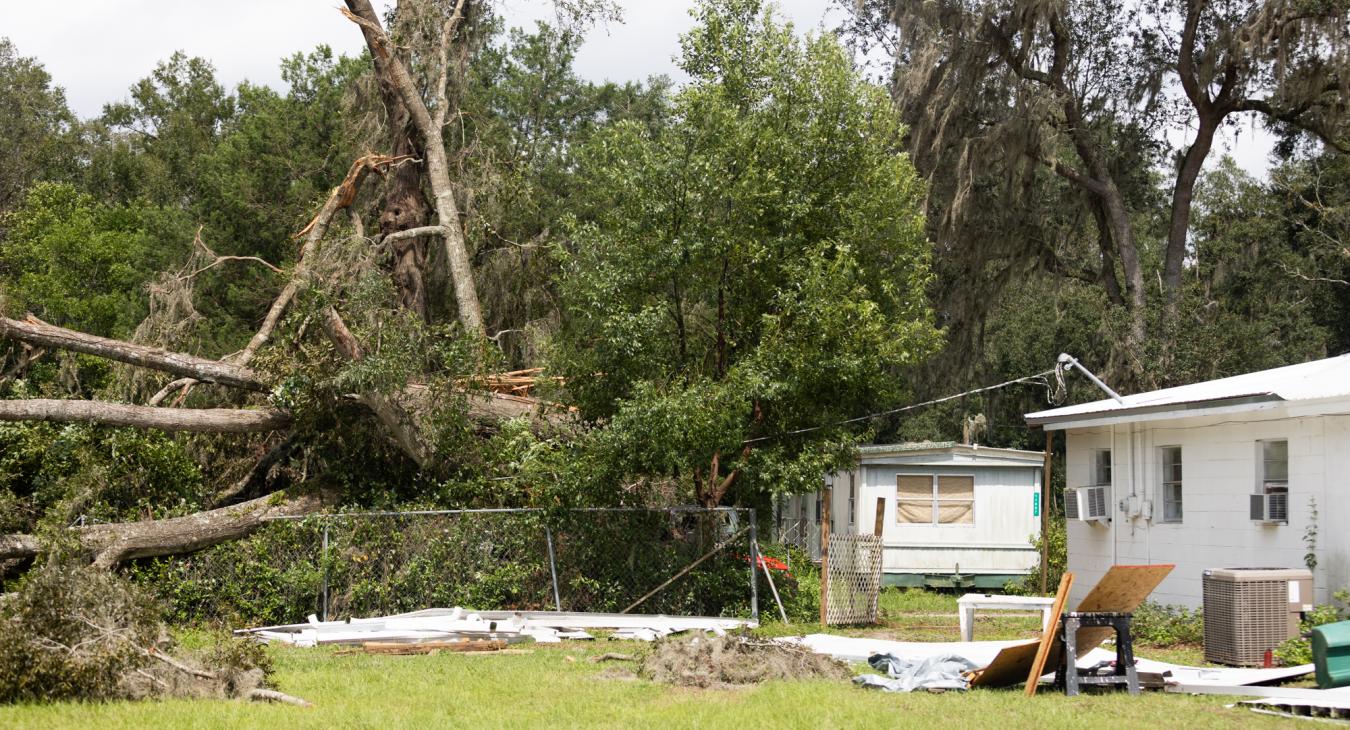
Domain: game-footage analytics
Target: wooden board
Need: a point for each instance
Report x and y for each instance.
(1121, 590)
(430, 647)
(1049, 634)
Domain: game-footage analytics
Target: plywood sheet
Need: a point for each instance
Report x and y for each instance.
(1010, 667)
(1121, 590)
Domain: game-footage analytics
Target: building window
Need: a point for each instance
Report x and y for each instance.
(1101, 468)
(820, 500)
(935, 500)
(1171, 484)
(1274, 476)
(852, 497)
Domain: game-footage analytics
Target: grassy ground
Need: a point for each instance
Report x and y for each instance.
(557, 686)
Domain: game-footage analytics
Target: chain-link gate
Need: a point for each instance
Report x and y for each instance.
(854, 579)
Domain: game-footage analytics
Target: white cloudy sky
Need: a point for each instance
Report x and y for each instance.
(96, 49)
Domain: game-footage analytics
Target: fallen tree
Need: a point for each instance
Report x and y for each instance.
(198, 420)
(110, 544)
(35, 332)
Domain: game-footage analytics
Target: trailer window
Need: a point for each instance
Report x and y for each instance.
(929, 499)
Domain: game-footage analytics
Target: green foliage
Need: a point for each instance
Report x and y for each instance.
(1299, 650)
(75, 262)
(756, 266)
(92, 473)
(1155, 624)
(1057, 542)
(37, 129)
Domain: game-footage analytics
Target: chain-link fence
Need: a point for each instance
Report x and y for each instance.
(686, 561)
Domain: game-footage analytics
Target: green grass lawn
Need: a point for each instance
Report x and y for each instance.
(557, 686)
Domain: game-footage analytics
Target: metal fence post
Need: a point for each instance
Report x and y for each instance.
(552, 567)
(324, 557)
(754, 565)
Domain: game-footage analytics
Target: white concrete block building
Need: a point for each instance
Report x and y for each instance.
(1227, 473)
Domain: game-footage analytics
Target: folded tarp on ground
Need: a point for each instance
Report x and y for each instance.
(980, 653)
(942, 671)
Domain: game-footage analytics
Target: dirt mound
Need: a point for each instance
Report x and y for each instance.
(731, 661)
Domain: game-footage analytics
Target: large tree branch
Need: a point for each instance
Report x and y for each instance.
(113, 543)
(35, 332)
(1293, 117)
(1186, 57)
(200, 420)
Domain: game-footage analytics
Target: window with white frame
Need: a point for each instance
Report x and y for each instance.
(935, 499)
(1101, 468)
(1273, 477)
(1170, 457)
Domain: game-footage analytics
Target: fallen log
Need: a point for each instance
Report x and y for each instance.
(113, 543)
(198, 420)
(41, 334)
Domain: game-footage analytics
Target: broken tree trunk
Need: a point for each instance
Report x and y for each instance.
(113, 543)
(199, 420)
(430, 129)
(41, 334)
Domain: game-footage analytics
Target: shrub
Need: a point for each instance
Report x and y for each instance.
(1160, 625)
(1030, 585)
(73, 632)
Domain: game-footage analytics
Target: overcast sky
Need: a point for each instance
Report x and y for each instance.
(96, 49)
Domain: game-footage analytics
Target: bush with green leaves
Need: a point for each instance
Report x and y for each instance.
(1156, 624)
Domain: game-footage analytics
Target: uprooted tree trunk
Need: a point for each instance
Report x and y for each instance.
(110, 544)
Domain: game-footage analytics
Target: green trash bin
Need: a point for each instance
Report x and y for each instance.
(1331, 654)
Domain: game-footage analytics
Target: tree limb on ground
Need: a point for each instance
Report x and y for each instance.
(113, 543)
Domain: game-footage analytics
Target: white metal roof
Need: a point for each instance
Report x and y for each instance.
(947, 452)
(1316, 380)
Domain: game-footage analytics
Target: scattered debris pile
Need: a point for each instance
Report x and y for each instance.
(460, 624)
(72, 631)
(730, 661)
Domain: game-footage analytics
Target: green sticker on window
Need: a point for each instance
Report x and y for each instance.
(1036, 505)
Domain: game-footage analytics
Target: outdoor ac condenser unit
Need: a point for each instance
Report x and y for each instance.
(1085, 503)
(1249, 611)
(1270, 507)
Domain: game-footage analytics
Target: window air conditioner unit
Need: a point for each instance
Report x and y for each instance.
(1085, 503)
(1272, 507)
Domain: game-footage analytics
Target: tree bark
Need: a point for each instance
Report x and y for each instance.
(433, 144)
(199, 420)
(42, 334)
(1183, 192)
(113, 543)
